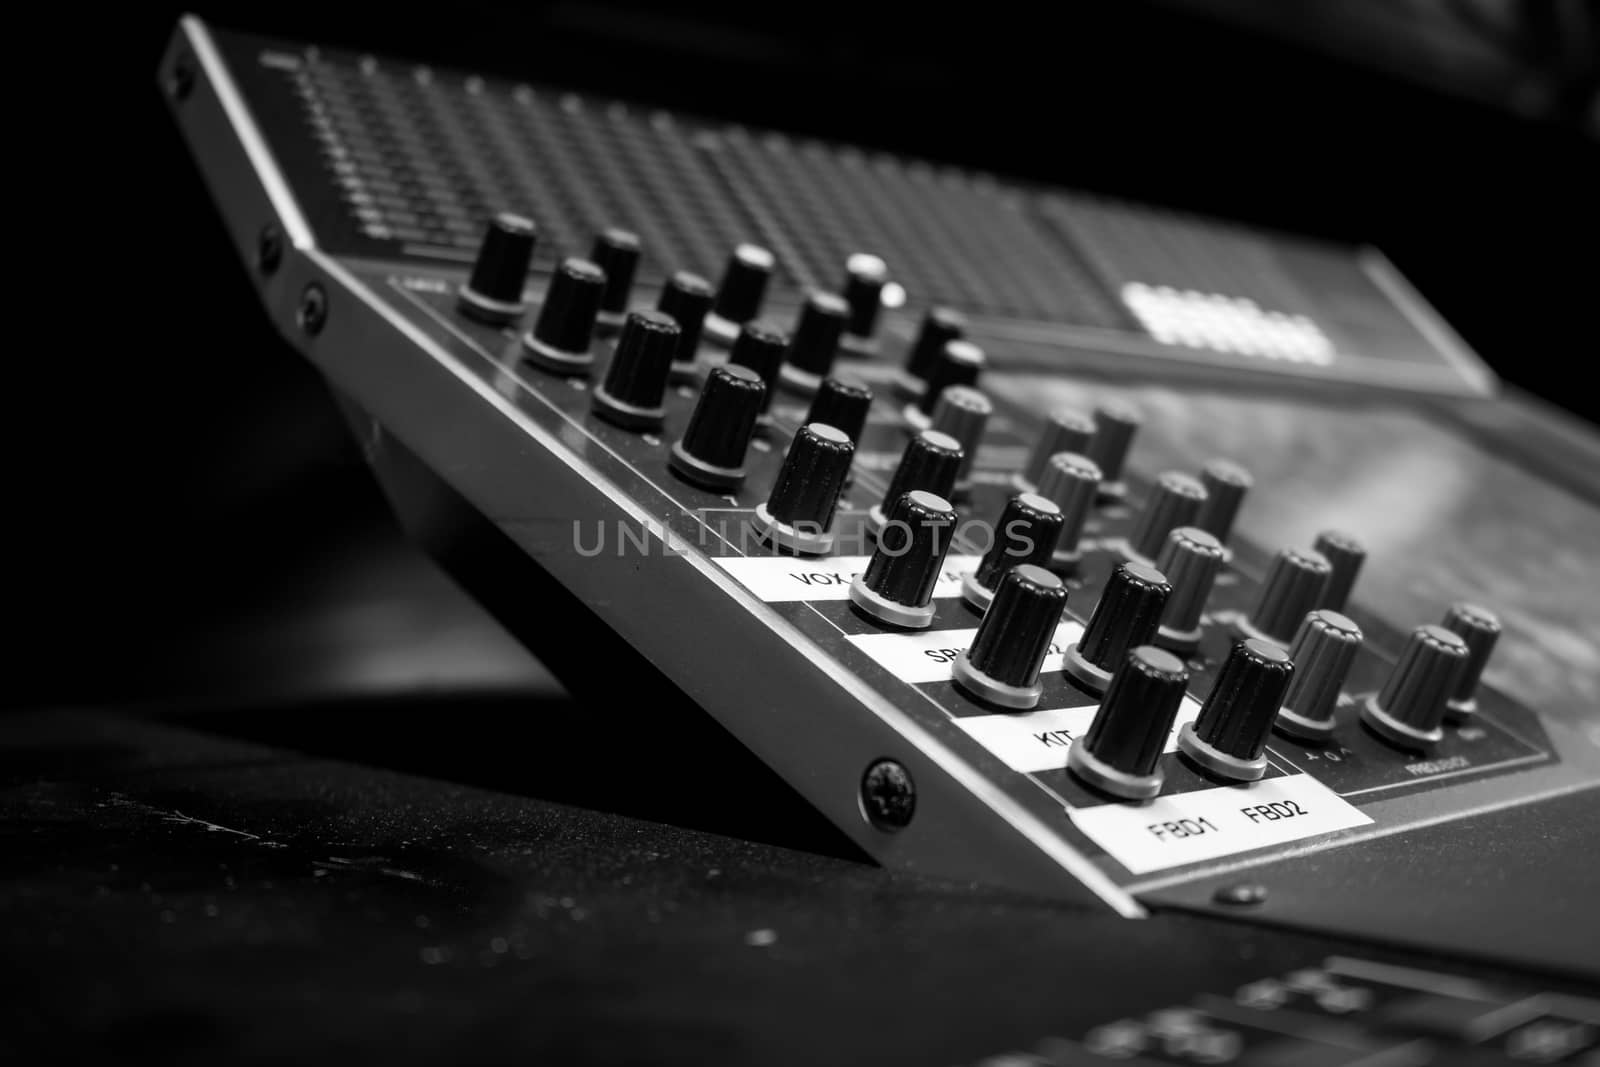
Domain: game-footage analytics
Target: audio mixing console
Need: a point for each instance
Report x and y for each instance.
(917, 540)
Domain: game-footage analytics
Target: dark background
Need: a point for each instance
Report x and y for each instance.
(193, 525)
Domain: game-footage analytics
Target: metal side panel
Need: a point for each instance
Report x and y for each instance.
(965, 828)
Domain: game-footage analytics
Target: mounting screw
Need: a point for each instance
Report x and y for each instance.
(1241, 895)
(888, 796)
(269, 250)
(313, 313)
(180, 83)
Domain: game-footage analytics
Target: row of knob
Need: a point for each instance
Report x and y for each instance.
(1264, 686)
(589, 296)
(586, 298)
(1259, 689)
(1022, 603)
(1153, 605)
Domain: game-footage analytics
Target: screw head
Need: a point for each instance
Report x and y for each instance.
(888, 795)
(180, 83)
(1241, 895)
(269, 249)
(313, 312)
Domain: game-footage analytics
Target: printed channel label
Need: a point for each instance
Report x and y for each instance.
(1038, 740)
(1189, 827)
(781, 578)
(926, 655)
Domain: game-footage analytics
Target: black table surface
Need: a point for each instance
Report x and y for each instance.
(171, 893)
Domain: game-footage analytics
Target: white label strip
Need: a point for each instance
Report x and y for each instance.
(777, 578)
(1190, 827)
(1038, 740)
(926, 656)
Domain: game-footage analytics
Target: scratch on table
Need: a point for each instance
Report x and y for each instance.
(179, 818)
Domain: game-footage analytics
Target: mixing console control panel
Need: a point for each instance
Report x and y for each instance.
(987, 641)
(1103, 640)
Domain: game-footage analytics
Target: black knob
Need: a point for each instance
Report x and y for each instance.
(711, 451)
(959, 363)
(634, 391)
(1226, 485)
(1002, 664)
(687, 298)
(1190, 559)
(1323, 650)
(1115, 423)
(1070, 482)
(740, 293)
(1127, 615)
(963, 413)
(617, 253)
(897, 586)
(561, 338)
(1174, 501)
(1229, 736)
(815, 343)
(929, 463)
(1121, 753)
(1480, 629)
(1067, 430)
(1027, 533)
(1293, 587)
(864, 278)
(1408, 709)
(760, 346)
(1345, 555)
(799, 513)
(493, 293)
(843, 405)
(939, 327)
